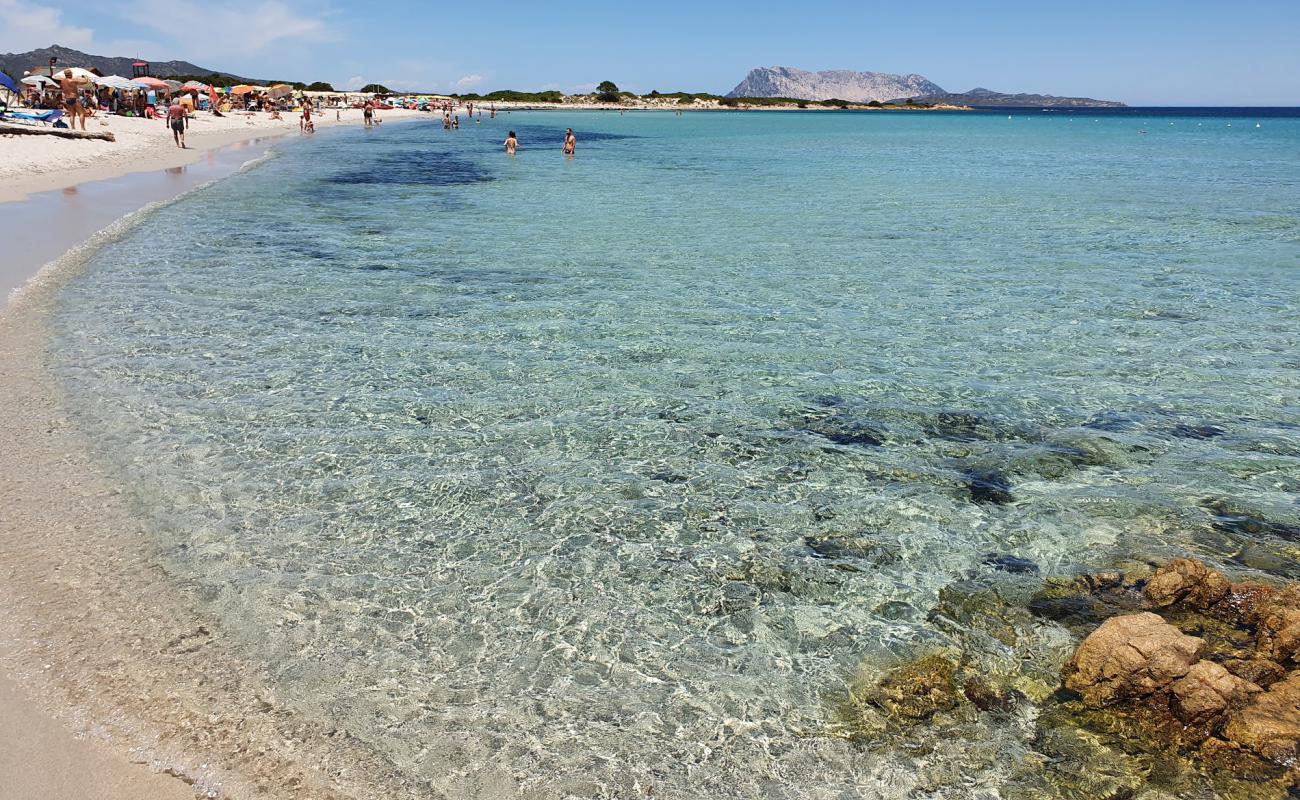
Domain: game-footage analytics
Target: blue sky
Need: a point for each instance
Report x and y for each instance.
(1143, 52)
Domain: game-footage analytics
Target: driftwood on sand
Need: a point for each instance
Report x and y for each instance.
(66, 133)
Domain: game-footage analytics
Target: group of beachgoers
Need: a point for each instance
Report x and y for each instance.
(570, 143)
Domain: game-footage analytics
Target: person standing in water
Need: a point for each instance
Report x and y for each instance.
(570, 142)
(512, 144)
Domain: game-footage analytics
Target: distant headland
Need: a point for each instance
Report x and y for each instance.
(884, 87)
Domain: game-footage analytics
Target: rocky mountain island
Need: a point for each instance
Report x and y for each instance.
(865, 87)
(840, 84)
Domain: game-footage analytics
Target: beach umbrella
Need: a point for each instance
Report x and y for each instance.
(241, 89)
(78, 74)
(202, 87)
(280, 90)
(151, 83)
(8, 83)
(173, 85)
(116, 82)
(39, 80)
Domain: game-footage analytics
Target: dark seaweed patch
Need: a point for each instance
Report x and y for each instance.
(965, 426)
(542, 136)
(1113, 422)
(1009, 563)
(1183, 431)
(848, 433)
(415, 168)
(1230, 519)
(988, 486)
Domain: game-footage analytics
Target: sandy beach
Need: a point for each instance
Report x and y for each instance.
(31, 164)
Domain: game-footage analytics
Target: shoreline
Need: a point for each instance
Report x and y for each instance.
(120, 687)
(33, 165)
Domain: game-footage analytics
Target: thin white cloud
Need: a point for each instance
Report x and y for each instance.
(241, 28)
(26, 25)
(468, 81)
(354, 83)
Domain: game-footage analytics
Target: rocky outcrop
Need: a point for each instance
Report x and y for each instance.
(855, 87)
(1270, 726)
(1187, 582)
(1129, 657)
(1277, 624)
(1201, 699)
(1208, 690)
(1224, 697)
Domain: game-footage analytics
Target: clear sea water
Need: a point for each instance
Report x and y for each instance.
(604, 477)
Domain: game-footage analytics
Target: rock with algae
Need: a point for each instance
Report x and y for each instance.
(919, 689)
(1270, 725)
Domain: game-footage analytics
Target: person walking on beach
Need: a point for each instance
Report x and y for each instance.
(176, 119)
(570, 142)
(71, 105)
(512, 144)
(305, 123)
(368, 111)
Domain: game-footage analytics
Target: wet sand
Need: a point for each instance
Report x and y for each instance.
(44, 225)
(42, 759)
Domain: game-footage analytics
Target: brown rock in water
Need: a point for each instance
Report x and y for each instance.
(1277, 632)
(919, 689)
(1270, 725)
(1259, 671)
(1207, 691)
(1188, 583)
(1247, 602)
(1130, 656)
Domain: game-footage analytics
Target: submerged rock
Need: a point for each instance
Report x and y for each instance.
(1270, 726)
(1009, 563)
(1130, 656)
(1231, 517)
(920, 689)
(1259, 671)
(1207, 691)
(1277, 623)
(1084, 602)
(987, 486)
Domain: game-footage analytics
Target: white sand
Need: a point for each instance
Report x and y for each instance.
(40, 163)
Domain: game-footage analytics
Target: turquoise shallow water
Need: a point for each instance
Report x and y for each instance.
(604, 476)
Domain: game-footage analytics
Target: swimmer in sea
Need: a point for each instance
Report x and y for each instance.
(512, 144)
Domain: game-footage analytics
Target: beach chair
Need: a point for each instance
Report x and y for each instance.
(40, 117)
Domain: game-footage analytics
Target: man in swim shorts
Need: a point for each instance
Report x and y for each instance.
(570, 142)
(176, 120)
(68, 86)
